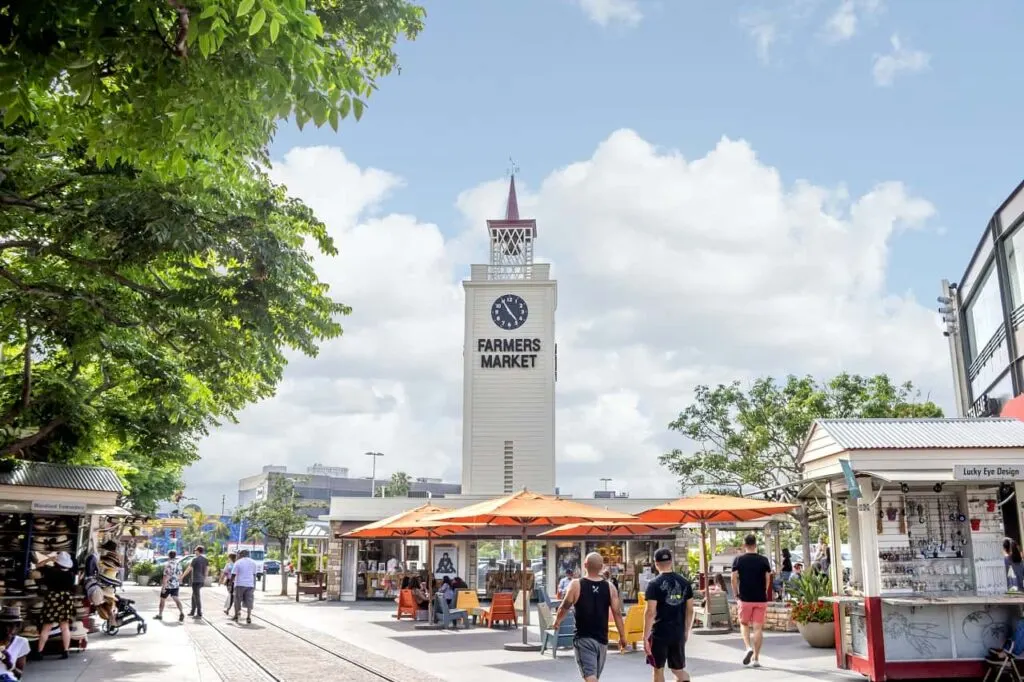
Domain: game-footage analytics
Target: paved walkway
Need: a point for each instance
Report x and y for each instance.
(477, 653)
(165, 653)
(364, 632)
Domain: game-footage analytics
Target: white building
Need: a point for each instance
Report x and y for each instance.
(509, 364)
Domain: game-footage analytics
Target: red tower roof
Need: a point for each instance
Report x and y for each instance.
(512, 219)
(512, 205)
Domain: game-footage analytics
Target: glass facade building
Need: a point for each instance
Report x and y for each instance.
(985, 315)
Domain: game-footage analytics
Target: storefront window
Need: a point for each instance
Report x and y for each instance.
(984, 314)
(1015, 266)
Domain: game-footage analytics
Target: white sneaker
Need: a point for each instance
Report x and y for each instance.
(755, 664)
(747, 656)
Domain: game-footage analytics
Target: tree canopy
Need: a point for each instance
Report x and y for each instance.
(277, 515)
(398, 486)
(745, 440)
(152, 278)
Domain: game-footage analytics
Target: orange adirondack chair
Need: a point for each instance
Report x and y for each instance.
(406, 605)
(502, 610)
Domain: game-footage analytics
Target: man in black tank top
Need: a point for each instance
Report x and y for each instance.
(593, 597)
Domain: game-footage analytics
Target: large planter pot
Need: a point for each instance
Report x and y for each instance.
(818, 635)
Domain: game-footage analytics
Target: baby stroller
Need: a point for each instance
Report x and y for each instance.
(125, 614)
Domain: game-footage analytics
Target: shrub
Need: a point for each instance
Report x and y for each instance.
(806, 594)
(142, 569)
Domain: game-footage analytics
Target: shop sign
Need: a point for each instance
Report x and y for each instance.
(988, 472)
(517, 353)
(47, 507)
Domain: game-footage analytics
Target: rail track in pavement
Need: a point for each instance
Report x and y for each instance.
(284, 656)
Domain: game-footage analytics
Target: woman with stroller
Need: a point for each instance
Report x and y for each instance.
(227, 580)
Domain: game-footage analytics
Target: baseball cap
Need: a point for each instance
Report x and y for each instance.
(662, 555)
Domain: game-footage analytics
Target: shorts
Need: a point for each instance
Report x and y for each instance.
(244, 597)
(753, 612)
(168, 592)
(668, 650)
(590, 656)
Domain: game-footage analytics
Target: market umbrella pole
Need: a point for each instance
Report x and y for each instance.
(707, 577)
(526, 596)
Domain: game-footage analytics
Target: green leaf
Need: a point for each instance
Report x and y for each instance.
(205, 42)
(275, 28)
(346, 105)
(245, 7)
(209, 11)
(314, 22)
(357, 107)
(257, 22)
(332, 118)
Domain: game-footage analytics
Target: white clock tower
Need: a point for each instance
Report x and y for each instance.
(510, 362)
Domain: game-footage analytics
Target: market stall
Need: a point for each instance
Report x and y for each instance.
(45, 510)
(929, 502)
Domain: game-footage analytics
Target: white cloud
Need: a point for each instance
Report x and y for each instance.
(843, 23)
(763, 30)
(606, 12)
(672, 272)
(901, 60)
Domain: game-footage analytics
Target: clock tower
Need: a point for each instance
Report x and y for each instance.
(509, 363)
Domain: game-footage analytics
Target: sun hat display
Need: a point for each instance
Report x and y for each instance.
(63, 560)
(109, 576)
(78, 630)
(109, 546)
(10, 614)
(30, 631)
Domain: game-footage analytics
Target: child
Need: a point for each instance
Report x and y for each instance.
(15, 648)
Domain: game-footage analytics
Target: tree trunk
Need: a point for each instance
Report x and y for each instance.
(284, 575)
(805, 535)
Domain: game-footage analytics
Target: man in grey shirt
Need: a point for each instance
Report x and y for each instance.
(198, 569)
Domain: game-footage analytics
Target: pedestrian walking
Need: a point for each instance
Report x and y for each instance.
(197, 569)
(668, 619)
(228, 581)
(752, 585)
(593, 597)
(244, 574)
(169, 586)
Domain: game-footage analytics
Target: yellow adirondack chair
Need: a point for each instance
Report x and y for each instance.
(634, 623)
(468, 600)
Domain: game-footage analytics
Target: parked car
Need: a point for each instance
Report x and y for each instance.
(272, 567)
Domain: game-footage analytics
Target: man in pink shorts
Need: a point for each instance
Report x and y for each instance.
(752, 585)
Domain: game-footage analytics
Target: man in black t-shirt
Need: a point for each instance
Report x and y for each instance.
(752, 585)
(668, 619)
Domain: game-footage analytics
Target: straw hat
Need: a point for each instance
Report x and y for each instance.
(110, 559)
(10, 614)
(109, 546)
(78, 630)
(105, 611)
(30, 631)
(109, 577)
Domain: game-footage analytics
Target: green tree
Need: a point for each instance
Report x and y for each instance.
(398, 486)
(151, 276)
(277, 516)
(192, 87)
(748, 440)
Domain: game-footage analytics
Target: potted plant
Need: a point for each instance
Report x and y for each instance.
(814, 618)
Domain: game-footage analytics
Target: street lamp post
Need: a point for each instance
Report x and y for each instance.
(605, 481)
(373, 474)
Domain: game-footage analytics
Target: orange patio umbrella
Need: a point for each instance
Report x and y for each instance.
(706, 508)
(606, 529)
(527, 510)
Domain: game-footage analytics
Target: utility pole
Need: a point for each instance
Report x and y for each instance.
(223, 503)
(605, 481)
(373, 474)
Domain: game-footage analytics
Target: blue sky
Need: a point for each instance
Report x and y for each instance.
(537, 79)
(670, 274)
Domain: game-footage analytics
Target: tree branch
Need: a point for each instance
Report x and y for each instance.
(29, 441)
(9, 200)
(26, 372)
(180, 47)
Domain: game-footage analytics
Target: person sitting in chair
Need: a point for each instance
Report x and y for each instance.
(1014, 646)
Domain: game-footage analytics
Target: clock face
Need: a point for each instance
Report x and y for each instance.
(509, 311)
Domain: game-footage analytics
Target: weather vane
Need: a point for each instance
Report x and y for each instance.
(513, 167)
